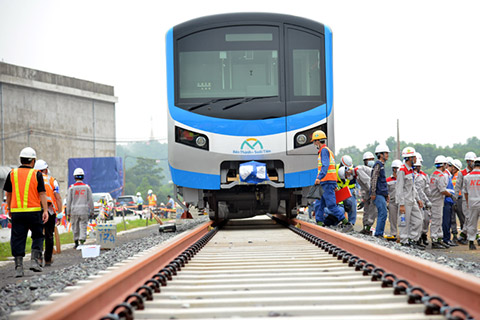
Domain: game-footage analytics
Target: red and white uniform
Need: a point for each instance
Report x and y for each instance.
(471, 190)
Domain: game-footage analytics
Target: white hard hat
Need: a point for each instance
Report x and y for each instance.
(470, 156)
(28, 153)
(457, 164)
(139, 194)
(368, 155)
(477, 161)
(150, 191)
(450, 161)
(341, 173)
(440, 159)
(396, 163)
(419, 157)
(78, 172)
(417, 163)
(40, 165)
(408, 152)
(347, 161)
(381, 148)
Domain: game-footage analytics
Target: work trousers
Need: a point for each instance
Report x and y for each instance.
(466, 214)
(457, 211)
(427, 216)
(447, 220)
(328, 200)
(79, 226)
(436, 223)
(369, 213)
(49, 227)
(21, 223)
(474, 214)
(413, 223)
(381, 204)
(351, 203)
(393, 218)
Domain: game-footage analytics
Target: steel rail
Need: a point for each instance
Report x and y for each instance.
(97, 299)
(455, 287)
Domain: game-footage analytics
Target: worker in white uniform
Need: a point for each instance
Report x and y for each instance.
(471, 190)
(470, 159)
(409, 202)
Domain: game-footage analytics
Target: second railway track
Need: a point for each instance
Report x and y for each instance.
(258, 268)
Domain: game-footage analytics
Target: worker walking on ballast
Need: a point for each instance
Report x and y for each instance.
(27, 202)
(79, 206)
(327, 178)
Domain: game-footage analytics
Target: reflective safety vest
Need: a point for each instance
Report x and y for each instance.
(49, 187)
(152, 200)
(346, 182)
(25, 197)
(331, 172)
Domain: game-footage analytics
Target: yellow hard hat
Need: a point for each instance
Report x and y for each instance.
(319, 135)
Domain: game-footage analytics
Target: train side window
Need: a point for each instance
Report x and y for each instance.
(306, 65)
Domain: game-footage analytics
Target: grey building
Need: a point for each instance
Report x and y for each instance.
(60, 117)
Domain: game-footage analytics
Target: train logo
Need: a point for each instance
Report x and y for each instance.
(251, 146)
(251, 143)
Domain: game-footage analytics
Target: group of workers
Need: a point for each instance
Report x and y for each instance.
(33, 202)
(413, 202)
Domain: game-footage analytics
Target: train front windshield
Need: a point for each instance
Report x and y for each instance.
(229, 62)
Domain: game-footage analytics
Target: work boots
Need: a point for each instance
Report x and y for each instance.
(424, 239)
(18, 267)
(76, 244)
(471, 246)
(35, 261)
(366, 230)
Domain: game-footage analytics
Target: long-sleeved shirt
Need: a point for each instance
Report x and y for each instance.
(324, 156)
(438, 184)
(362, 175)
(459, 184)
(472, 188)
(421, 184)
(379, 182)
(406, 193)
(79, 199)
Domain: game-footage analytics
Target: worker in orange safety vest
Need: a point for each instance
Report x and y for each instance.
(326, 210)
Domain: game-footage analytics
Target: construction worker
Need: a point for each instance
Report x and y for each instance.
(409, 202)
(471, 190)
(79, 206)
(457, 205)
(452, 170)
(470, 159)
(350, 204)
(152, 198)
(327, 178)
(379, 188)
(369, 208)
(139, 201)
(27, 202)
(438, 191)
(423, 190)
(392, 205)
(54, 201)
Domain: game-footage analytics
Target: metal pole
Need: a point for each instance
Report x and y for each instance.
(94, 128)
(398, 139)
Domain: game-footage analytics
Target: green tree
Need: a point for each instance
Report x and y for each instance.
(146, 174)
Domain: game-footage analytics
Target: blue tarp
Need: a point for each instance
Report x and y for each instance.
(101, 174)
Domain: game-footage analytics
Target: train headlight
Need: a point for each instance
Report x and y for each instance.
(191, 138)
(301, 139)
(201, 141)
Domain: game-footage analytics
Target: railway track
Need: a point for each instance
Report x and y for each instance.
(259, 268)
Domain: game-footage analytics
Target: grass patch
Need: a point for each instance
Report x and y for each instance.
(67, 237)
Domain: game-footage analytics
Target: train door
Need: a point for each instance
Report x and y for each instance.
(306, 106)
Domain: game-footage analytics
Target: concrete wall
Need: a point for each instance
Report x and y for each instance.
(58, 116)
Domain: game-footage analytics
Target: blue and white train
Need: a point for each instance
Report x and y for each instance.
(243, 87)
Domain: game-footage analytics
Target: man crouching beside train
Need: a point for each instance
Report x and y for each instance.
(326, 210)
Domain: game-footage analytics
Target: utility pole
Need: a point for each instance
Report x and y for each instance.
(398, 139)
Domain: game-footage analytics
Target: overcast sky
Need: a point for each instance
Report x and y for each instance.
(417, 61)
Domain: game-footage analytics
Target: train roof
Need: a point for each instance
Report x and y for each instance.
(230, 19)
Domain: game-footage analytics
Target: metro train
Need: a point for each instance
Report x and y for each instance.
(247, 87)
